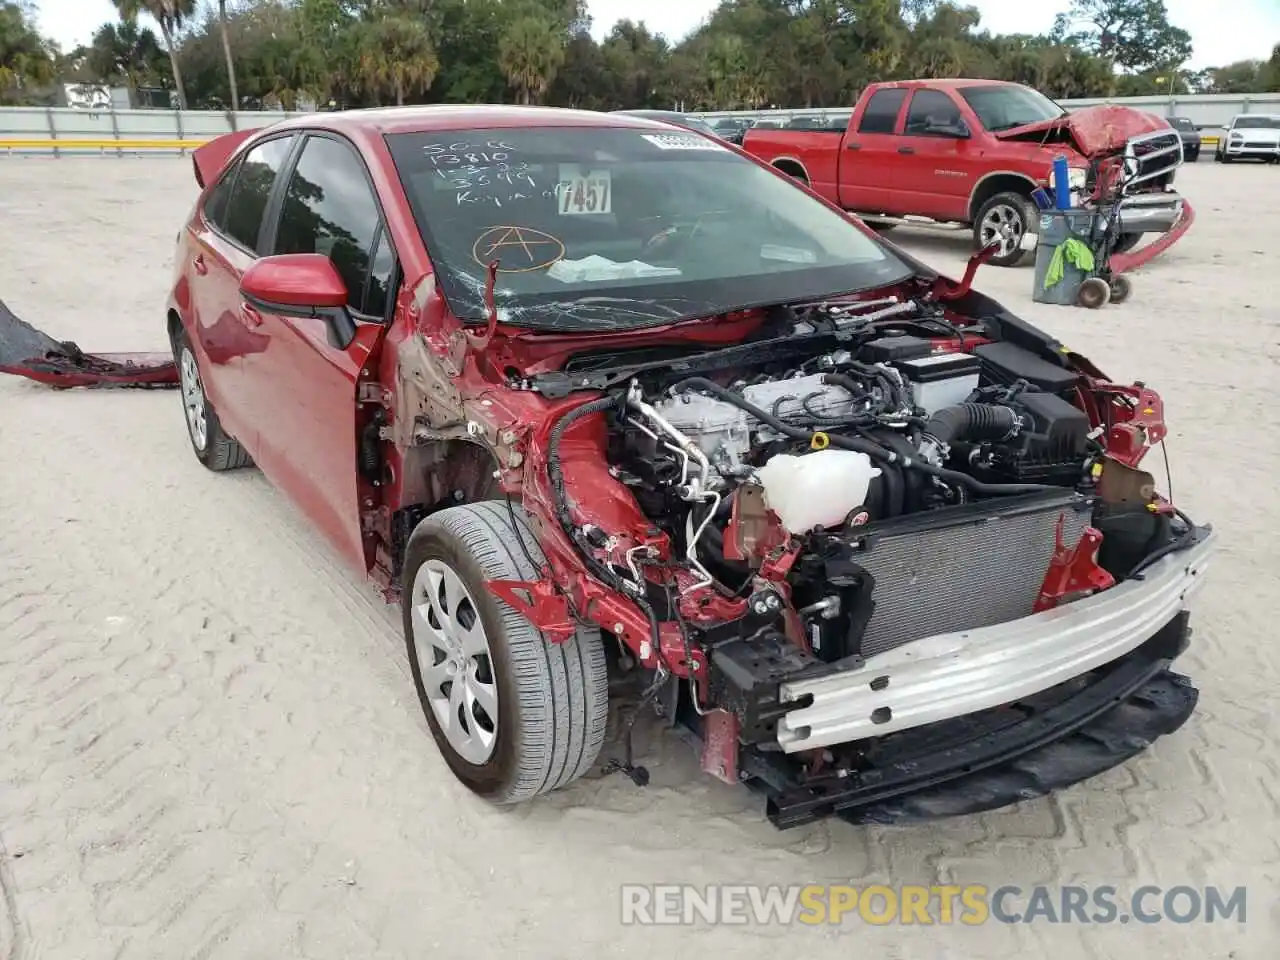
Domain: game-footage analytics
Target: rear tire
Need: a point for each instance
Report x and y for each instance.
(550, 700)
(212, 445)
(1007, 217)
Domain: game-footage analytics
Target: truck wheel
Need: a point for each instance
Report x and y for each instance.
(1006, 218)
(212, 446)
(513, 713)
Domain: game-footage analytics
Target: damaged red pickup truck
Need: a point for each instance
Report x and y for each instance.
(970, 152)
(596, 397)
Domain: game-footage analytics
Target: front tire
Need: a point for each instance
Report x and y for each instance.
(1006, 218)
(514, 714)
(212, 446)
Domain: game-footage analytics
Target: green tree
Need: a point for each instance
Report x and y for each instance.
(530, 53)
(171, 15)
(397, 56)
(1133, 34)
(123, 53)
(26, 58)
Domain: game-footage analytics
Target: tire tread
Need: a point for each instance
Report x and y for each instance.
(562, 688)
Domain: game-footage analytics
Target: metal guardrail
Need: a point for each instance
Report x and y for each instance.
(79, 132)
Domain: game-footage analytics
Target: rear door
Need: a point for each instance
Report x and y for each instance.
(304, 388)
(868, 151)
(938, 163)
(224, 242)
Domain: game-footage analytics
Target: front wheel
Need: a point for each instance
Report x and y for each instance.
(513, 713)
(1006, 219)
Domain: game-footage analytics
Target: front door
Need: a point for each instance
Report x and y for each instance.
(302, 386)
(937, 164)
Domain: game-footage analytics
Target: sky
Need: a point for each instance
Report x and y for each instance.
(1222, 31)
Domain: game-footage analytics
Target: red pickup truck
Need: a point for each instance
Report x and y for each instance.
(969, 153)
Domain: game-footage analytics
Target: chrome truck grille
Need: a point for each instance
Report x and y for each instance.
(1154, 155)
(964, 567)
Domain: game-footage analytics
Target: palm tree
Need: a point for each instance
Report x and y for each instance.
(530, 53)
(397, 54)
(170, 14)
(125, 51)
(226, 51)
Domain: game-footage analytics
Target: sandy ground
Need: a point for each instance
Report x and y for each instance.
(211, 746)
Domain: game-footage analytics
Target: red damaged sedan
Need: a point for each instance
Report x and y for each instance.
(592, 396)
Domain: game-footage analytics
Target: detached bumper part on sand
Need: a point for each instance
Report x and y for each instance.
(28, 352)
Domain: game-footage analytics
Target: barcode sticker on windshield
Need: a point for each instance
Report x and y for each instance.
(584, 194)
(680, 141)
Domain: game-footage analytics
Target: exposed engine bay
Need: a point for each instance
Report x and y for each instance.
(868, 475)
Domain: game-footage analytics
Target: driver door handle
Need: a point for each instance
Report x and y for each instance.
(250, 315)
(853, 146)
(906, 149)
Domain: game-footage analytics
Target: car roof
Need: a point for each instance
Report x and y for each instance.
(376, 121)
(649, 113)
(951, 83)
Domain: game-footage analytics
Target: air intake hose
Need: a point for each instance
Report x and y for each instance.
(972, 422)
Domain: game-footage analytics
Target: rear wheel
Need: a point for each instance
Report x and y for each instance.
(513, 713)
(1006, 219)
(212, 446)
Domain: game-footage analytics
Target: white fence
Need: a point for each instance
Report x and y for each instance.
(65, 130)
(78, 132)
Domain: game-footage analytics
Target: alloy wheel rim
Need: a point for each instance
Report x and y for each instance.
(193, 399)
(1002, 222)
(454, 661)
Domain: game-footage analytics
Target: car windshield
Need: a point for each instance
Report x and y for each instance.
(1005, 106)
(610, 228)
(1181, 123)
(1257, 123)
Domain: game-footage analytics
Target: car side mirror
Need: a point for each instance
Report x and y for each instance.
(301, 285)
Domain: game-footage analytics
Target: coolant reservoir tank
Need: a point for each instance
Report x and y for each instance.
(818, 489)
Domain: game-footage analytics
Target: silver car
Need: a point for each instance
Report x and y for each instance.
(1251, 136)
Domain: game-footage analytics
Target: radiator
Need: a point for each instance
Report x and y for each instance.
(963, 567)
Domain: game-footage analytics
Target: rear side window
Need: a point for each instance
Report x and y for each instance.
(251, 189)
(882, 111)
(215, 205)
(329, 208)
(932, 114)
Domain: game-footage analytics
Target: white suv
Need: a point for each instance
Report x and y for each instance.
(1253, 136)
